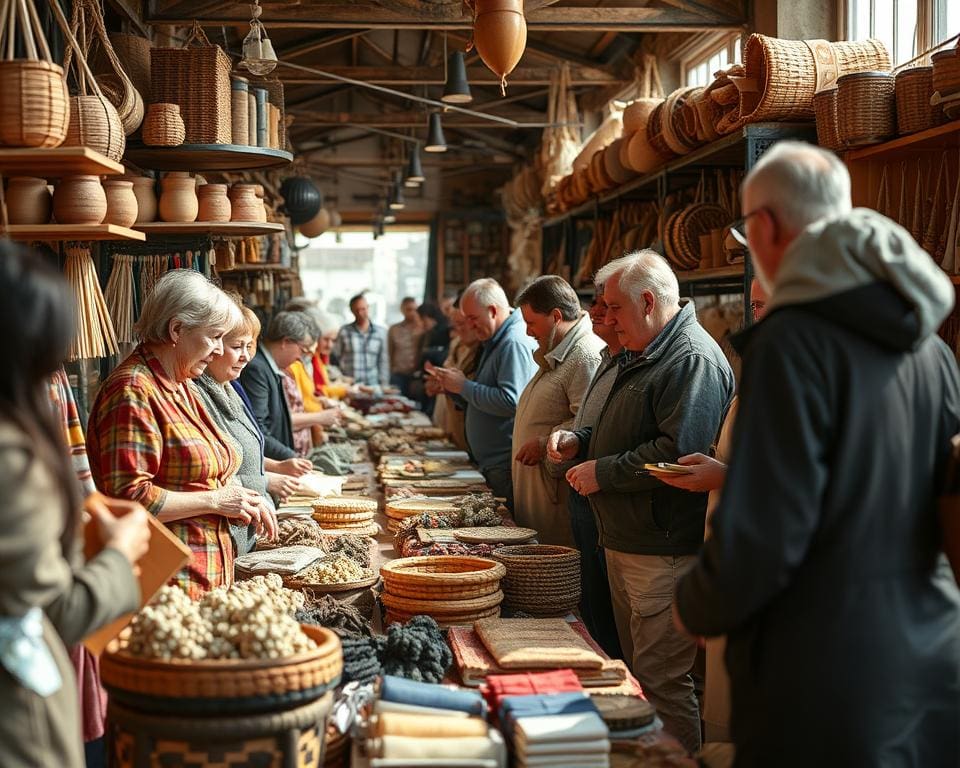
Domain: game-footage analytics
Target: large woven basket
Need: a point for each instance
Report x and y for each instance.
(656, 136)
(946, 71)
(134, 54)
(782, 76)
(94, 123)
(541, 580)
(914, 88)
(227, 678)
(447, 577)
(825, 108)
(174, 77)
(34, 110)
(866, 108)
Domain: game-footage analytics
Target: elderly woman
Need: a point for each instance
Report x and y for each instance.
(228, 409)
(151, 440)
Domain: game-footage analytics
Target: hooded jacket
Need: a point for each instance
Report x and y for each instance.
(825, 567)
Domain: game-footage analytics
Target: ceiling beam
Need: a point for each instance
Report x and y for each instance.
(316, 44)
(573, 19)
(379, 162)
(131, 13)
(410, 76)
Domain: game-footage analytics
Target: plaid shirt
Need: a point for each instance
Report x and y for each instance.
(65, 408)
(363, 356)
(147, 436)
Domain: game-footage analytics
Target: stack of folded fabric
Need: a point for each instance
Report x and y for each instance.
(557, 729)
(415, 724)
(499, 687)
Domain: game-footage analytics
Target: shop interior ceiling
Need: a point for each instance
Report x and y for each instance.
(353, 139)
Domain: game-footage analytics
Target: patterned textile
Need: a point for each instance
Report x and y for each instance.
(147, 436)
(363, 356)
(65, 408)
(302, 439)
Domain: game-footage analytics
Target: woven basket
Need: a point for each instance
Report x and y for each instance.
(445, 622)
(782, 76)
(343, 506)
(913, 89)
(174, 76)
(291, 582)
(163, 126)
(535, 556)
(227, 678)
(442, 606)
(446, 576)
(825, 108)
(134, 54)
(274, 88)
(655, 133)
(946, 71)
(866, 108)
(127, 101)
(94, 123)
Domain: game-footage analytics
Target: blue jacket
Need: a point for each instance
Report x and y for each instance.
(506, 365)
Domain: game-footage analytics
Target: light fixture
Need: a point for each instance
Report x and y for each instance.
(457, 89)
(415, 175)
(259, 57)
(435, 140)
(397, 203)
(387, 216)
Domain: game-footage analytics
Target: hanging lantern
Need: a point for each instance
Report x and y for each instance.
(435, 138)
(499, 35)
(397, 201)
(301, 199)
(457, 89)
(259, 57)
(316, 226)
(415, 175)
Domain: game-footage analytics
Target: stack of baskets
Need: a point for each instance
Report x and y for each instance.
(399, 510)
(451, 589)
(351, 514)
(946, 79)
(541, 580)
(914, 89)
(685, 227)
(866, 108)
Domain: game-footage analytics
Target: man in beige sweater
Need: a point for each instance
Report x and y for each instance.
(568, 355)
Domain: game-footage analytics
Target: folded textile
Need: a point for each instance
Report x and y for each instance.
(404, 691)
(473, 747)
(543, 705)
(567, 761)
(406, 762)
(528, 683)
(536, 644)
(398, 724)
(560, 748)
(381, 706)
(579, 727)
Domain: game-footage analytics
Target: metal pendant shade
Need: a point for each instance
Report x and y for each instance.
(397, 202)
(435, 140)
(457, 89)
(414, 168)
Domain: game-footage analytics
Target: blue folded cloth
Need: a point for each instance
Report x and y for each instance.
(402, 691)
(513, 707)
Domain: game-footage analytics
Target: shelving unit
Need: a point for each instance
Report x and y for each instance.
(470, 247)
(209, 228)
(59, 232)
(206, 157)
(56, 162)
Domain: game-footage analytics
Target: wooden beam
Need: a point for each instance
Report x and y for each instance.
(410, 119)
(574, 19)
(131, 14)
(410, 76)
(597, 49)
(316, 44)
(379, 162)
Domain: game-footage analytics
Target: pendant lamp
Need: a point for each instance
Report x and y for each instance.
(259, 57)
(397, 202)
(414, 168)
(457, 89)
(435, 140)
(387, 216)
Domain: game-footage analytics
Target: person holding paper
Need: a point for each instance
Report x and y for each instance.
(47, 600)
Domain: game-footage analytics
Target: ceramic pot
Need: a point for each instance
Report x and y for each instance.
(317, 225)
(178, 198)
(79, 200)
(245, 203)
(214, 204)
(122, 206)
(145, 191)
(500, 34)
(28, 200)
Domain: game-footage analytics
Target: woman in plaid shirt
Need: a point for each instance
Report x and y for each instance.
(150, 439)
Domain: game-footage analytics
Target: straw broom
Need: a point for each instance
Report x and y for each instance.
(95, 336)
(119, 298)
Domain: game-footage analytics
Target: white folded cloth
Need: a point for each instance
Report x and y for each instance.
(582, 726)
(596, 747)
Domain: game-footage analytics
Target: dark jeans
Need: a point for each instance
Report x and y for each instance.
(402, 382)
(500, 480)
(596, 609)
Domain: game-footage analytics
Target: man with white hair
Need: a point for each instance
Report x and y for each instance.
(825, 568)
(506, 365)
(668, 399)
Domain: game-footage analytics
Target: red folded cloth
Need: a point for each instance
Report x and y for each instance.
(528, 684)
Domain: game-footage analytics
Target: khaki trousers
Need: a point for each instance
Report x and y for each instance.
(661, 658)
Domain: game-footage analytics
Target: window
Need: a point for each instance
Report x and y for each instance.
(699, 71)
(946, 20)
(906, 27)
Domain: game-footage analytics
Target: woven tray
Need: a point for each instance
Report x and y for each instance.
(445, 574)
(445, 621)
(292, 582)
(344, 505)
(535, 556)
(400, 509)
(622, 713)
(366, 529)
(442, 607)
(536, 644)
(495, 534)
(225, 678)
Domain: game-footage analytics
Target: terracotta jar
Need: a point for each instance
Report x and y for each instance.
(246, 205)
(214, 203)
(145, 192)
(122, 206)
(79, 200)
(28, 200)
(178, 198)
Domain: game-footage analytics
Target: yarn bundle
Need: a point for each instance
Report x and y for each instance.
(416, 650)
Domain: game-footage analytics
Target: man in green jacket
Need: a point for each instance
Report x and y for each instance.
(669, 398)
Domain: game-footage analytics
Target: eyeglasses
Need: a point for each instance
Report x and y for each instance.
(739, 228)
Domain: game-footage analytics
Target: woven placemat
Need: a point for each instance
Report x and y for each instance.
(292, 582)
(536, 644)
(495, 534)
(340, 505)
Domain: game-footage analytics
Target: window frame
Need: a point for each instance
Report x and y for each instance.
(931, 20)
(701, 56)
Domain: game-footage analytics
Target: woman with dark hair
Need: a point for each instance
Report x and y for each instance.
(45, 601)
(434, 346)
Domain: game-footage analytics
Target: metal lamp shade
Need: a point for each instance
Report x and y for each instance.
(397, 202)
(457, 89)
(301, 198)
(435, 140)
(415, 168)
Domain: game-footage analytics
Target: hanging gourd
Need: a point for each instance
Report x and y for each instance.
(301, 198)
(499, 35)
(317, 225)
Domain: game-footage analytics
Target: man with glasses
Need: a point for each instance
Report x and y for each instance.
(289, 336)
(361, 347)
(825, 567)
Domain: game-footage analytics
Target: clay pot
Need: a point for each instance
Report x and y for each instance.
(317, 225)
(121, 203)
(500, 34)
(28, 200)
(245, 203)
(178, 198)
(214, 204)
(145, 192)
(79, 200)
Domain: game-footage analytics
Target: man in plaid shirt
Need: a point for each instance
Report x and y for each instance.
(361, 347)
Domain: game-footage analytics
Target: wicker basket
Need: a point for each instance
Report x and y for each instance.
(655, 132)
(825, 108)
(94, 123)
(163, 126)
(946, 71)
(913, 88)
(447, 577)
(782, 76)
(174, 77)
(134, 54)
(127, 100)
(541, 580)
(341, 506)
(866, 108)
(442, 607)
(444, 621)
(274, 88)
(225, 679)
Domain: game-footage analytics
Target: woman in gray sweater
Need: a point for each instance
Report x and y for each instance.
(217, 389)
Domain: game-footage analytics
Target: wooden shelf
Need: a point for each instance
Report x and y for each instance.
(206, 157)
(30, 232)
(713, 273)
(56, 162)
(209, 228)
(940, 138)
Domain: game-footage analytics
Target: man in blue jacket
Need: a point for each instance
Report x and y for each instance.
(506, 365)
